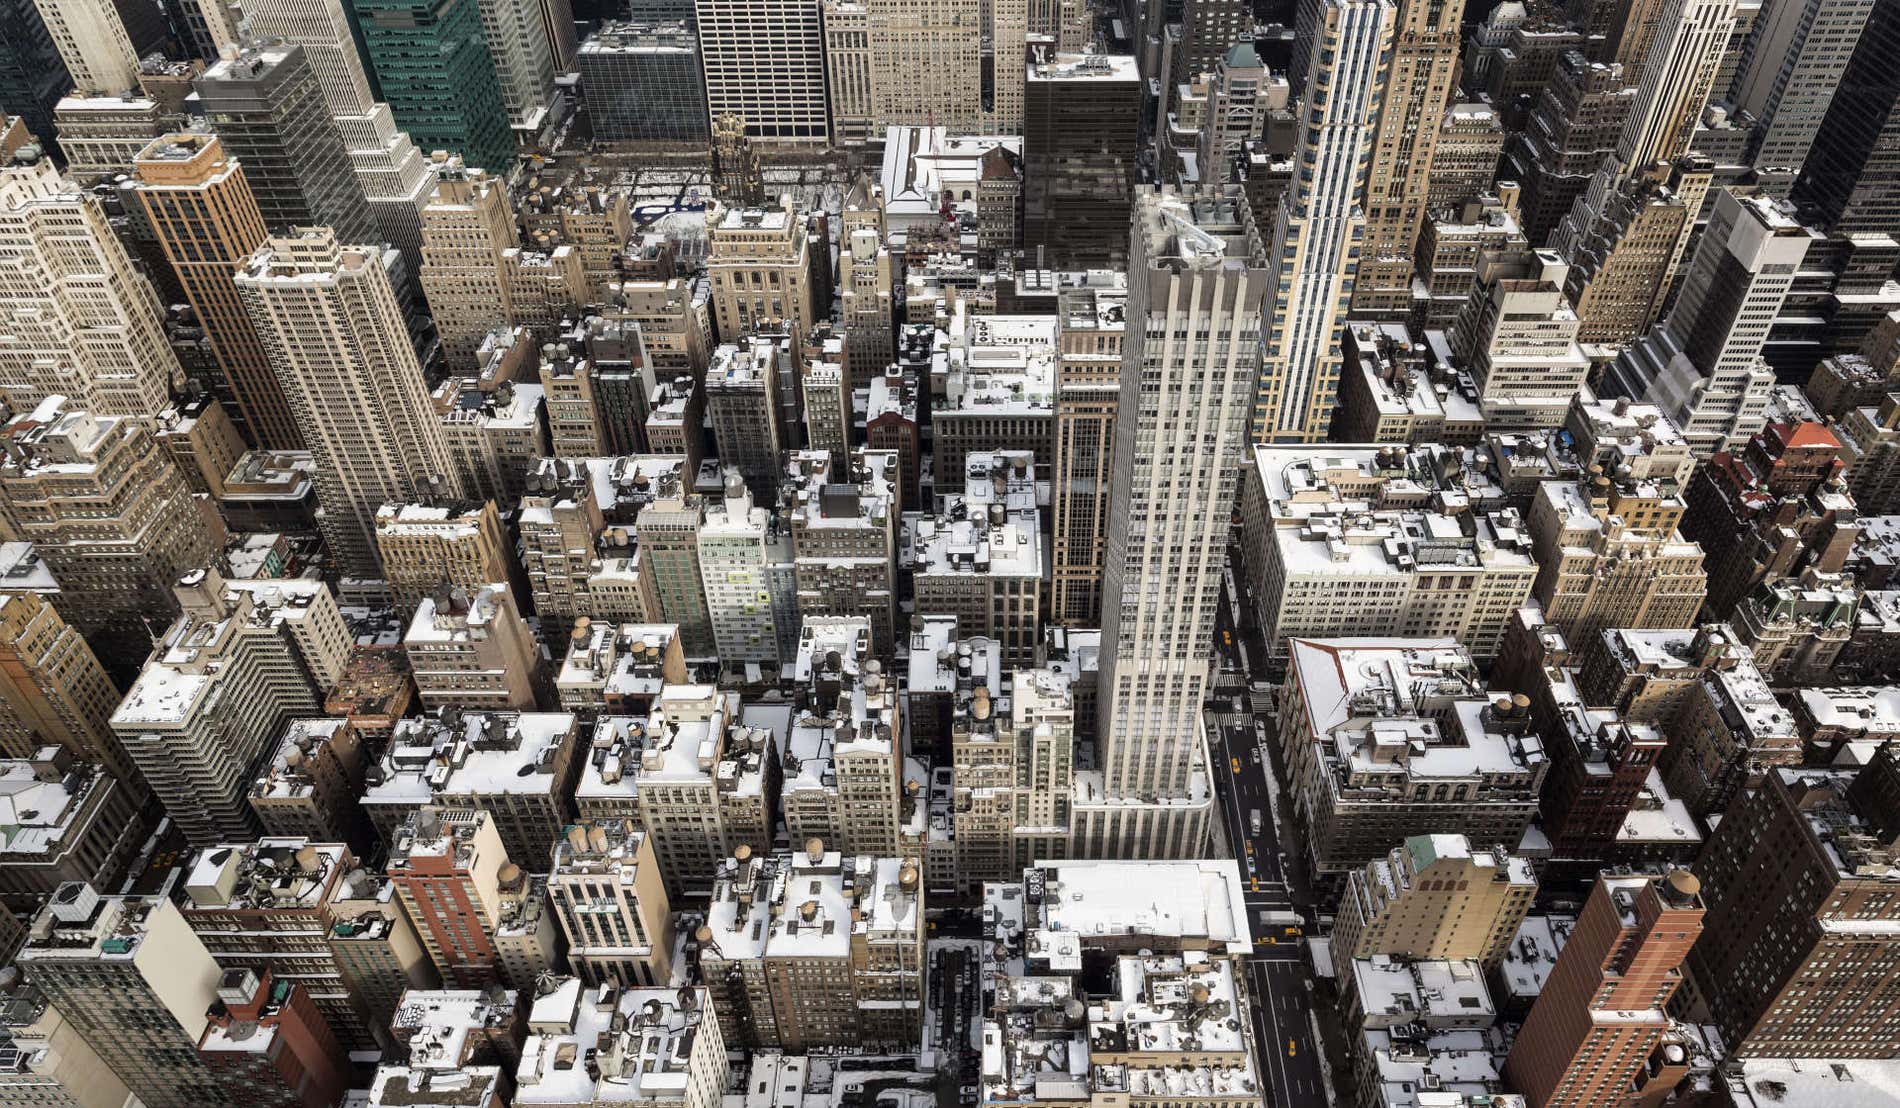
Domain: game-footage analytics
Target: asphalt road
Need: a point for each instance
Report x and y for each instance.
(1279, 975)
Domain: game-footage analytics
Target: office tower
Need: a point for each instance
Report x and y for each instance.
(1320, 230)
(92, 41)
(1326, 566)
(108, 512)
(1241, 94)
(573, 412)
(268, 1039)
(844, 539)
(1621, 258)
(763, 266)
(100, 135)
(644, 84)
(1465, 155)
(1870, 446)
(1519, 337)
(1851, 177)
(434, 68)
(940, 63)
(1209, 29)
(264, 905)
(993, 390)
(1678, 70)
(1080, 118)
(337, 338)
(232, 670)
(424, 547)
(468, 646)
(847, 783)
(467, 225)
(745, 566)
(393, 172)
(1574, 126)
(668, 531)
(1417, 84)
(742, 404)
(980, 559)
(81, 322)
(866, 288)
(449, 867)
(612, 905)
(1197, 271)
(201, 209)
(53, 1063)
(765, 63)
(826, 968)
(268, 110)
(129, 976)
(1792, 63)
(523, 57)
(32, 75)
(52, 687)
(376, 948)
(1702, 364)
(1435, 897)
(1601, 1016)
(1091, 326)
(1348, 700)
(1799, 942)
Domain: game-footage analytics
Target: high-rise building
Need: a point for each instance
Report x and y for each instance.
(92, 41)
(1702, 364)
(1418, 82)
(269, 111)
(844, 539)
(450, 869)
(469, 647)
(644, 83)
(1209, 29)
(866, 288)
(941, 62)
(1091, 325)
(980, 558)
(433, 65)
(269, 1042)
(765, 63)
(764, 269)
(1590, 1037)
(76, 821)
(1795, 57)
(375, 947)
(612, 905)
(393, 171)
(1195, 291)
(742, 389)
(423, 547)
(1518, 335)
(1678, 71)
(235, 667)
(33, 76)
(53, 689)
(53, 1063)
(1608, 555)
(265, 905)
(1851, 177)
(1435, 897)
(202, 211)
(1319, 235)
(523, 56)
(467, 224)
(1621, 260)
(81, 322)
(1578, 117)
(1465, 155)
(336, 336)
(1799, 943)
(100, 135)
(1081, 113)
(109, 513)
(746, 569)
(129, 976)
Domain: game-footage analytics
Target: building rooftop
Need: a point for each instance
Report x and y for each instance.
(637, 1044)
(460, 753)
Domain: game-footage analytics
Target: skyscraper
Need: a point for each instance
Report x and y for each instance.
(32, 75)
(466, 225)
(202, 212)
(765, 62)
(1852, 174)
(269, 112)
(93, 42)
(1702, 365)
(1600, 1016)
(1677, 74)
(949, 63)
(391, 169)
(1080, 118)
(432, 62)
(79, 319)
(1418, 84)
(1318, 240)
(335, 334)
(524, 61)
(1796, 55)
(1190, 360)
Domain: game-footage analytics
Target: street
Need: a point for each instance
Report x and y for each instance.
(1279, 973)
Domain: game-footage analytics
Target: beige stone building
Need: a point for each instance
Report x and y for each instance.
(762, 266)
(466, 225)
(424, 547)
(1609, 555)
(1434, 897)
(942, 62)
(468, 646)
(1090, 324)
(52, 687)
(611, 903)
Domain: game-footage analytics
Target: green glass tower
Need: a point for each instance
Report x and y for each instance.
(432, 63)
